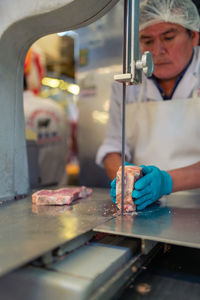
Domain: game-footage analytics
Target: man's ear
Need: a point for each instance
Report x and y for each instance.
(195, 38)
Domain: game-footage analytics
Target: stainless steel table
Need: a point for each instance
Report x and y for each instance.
(27, 231)
(175, 219)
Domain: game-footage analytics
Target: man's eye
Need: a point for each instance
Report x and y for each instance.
(149, 42)
(169, 38)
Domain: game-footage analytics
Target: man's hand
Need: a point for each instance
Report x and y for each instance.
(153, 185)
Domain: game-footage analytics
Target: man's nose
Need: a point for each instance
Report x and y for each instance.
(158, 48)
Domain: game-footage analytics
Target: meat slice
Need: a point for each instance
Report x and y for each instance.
(61, 196)
(131, 175)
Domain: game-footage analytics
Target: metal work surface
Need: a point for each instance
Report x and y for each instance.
(175, 220)
(28, 231)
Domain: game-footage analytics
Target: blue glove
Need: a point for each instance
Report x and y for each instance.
(113, 190)
(153, 185)
(113, 186)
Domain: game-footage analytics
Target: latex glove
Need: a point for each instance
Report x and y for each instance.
(153, 185)
(113, 185)
(113, 190)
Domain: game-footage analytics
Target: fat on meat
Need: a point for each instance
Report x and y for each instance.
(131, 175)
(64, 196)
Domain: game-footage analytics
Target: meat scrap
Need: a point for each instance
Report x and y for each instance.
(131, 175)
(61, 196)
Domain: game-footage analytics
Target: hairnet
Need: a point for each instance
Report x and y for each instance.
(182, 12)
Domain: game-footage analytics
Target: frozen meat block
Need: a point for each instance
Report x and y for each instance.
(131, 175)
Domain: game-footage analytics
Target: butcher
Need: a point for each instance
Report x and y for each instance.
(163, 113)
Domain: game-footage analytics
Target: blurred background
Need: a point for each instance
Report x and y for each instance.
(68, 76)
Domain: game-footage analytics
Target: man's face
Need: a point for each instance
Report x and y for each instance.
(171, 47)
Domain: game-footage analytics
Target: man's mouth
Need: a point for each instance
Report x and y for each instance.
(161, 63)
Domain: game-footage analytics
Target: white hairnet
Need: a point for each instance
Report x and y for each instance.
(182, 12)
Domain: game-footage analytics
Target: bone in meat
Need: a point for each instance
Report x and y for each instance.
(131, 175)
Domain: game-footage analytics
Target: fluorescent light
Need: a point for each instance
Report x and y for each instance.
(52, 82)
(63, 85)
(74, 89)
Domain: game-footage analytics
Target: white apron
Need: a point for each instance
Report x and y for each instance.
(164, 133)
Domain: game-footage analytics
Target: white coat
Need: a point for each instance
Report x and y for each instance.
(163, 133)
(49, 121)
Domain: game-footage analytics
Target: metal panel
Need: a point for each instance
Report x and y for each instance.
(77, 277)
(27, 231)
(24, 24)
(175, 219)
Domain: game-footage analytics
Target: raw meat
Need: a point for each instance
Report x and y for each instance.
(51, 210)
(61, 196)
(131, 175)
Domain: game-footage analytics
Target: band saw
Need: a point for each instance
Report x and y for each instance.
(87, 250)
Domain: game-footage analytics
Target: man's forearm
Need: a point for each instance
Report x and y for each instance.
(186, 178)
(112, 162)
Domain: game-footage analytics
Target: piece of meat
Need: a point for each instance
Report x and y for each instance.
(131, 175)
(61, 196)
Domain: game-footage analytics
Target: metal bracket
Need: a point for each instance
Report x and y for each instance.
(145, 64)
(133, 66)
